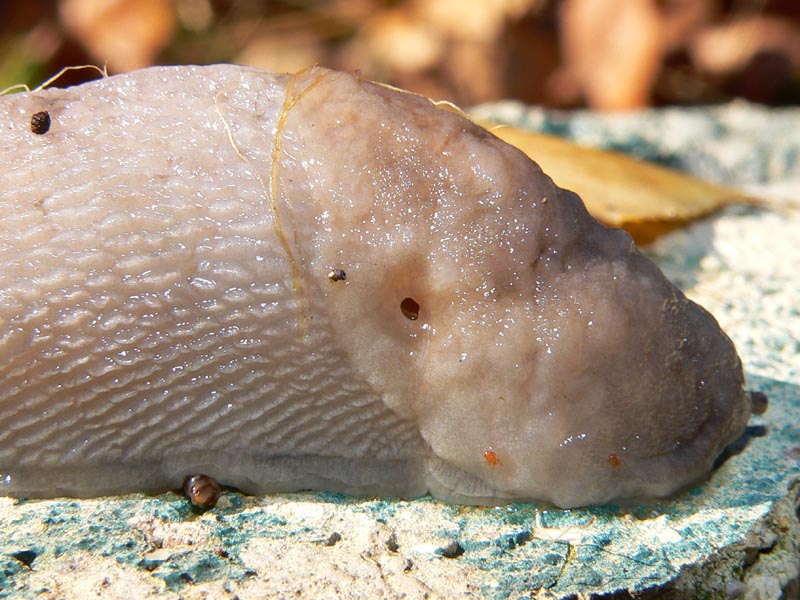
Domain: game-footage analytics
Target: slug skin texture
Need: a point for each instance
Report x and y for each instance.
(317, 282)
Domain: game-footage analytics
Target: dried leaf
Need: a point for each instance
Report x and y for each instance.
(125, 35)
(613, 49)
(645, 199)
(397, 40)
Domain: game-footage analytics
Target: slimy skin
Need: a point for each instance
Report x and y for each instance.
(316, 282)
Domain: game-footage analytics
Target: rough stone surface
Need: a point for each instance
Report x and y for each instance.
(736, 535)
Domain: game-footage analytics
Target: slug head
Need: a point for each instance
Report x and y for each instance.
(541, 355)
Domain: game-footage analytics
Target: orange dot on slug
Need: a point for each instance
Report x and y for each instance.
(491, 456)
(613, 460)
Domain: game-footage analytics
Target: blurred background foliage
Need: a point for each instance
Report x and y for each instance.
(605, 54)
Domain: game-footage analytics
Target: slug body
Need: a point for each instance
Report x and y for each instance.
(167, 305)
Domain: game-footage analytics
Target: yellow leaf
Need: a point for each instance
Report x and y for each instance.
(645, 199)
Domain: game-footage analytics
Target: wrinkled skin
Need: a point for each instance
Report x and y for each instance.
(166, 306)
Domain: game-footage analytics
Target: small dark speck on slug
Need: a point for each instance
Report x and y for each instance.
(613, 460)
(337, 275)
(203, 491)
(40, 122)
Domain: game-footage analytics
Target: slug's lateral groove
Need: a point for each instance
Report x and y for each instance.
(490, 341)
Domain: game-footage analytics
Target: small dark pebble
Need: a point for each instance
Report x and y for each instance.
(551, 558)
(40, 122)
(391, 543)
(520, 539)
(26, 557)
(203, 491)
(408, 566)
(332, 539)
(737, 589)
(451, 549)
(150, 564)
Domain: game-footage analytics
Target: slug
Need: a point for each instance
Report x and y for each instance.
(311, 281)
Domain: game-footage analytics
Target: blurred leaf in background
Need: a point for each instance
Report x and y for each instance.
(122, 34)
(604, 54)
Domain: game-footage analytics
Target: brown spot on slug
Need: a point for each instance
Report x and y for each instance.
(40, 122)
(759, 402)
(410, 309)
(202, 490)
(337, 275)
(613, 460)
(491, 456)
